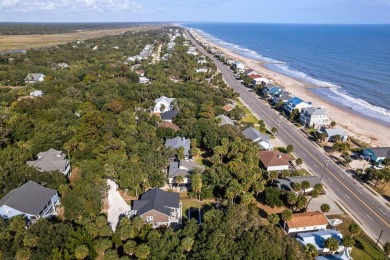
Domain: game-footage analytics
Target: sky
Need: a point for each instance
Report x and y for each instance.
(256, 11)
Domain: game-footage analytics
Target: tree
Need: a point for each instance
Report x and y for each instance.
(298, 161)
(333, 124)
(311, 251)
(332, 244)
(286, 216)
(386, 248)
(322, 136)
(142, 251)
(180, 153)
(81, 252)
(301, 202)
(274, 130)
(325, 207)
(262, 126)
(272, 197)
(179, 179)
(187, 243)
(313, 194)
(348, 241)
(290, 148)
(129, 247)
(296, 186)
(354, 229)
(305, 185)
(257, 187)
(273, 219)
(196, 184)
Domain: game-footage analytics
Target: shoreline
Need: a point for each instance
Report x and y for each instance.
(360, 127)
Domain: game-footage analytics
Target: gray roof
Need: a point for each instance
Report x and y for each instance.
(30, 198)
(182, 168)
(287, 183)
(158, 200)
(51, 160)
(169, 115)
(285, 95)
(33, 76)
(334, 131)
(225, 120)
(255, 135)
(177, 142)
(382, 152)
(314, 111)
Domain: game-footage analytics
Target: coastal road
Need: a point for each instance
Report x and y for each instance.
(370, 212)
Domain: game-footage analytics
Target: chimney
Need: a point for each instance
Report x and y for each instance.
(279, 156)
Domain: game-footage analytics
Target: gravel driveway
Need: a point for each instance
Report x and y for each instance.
(116, 205)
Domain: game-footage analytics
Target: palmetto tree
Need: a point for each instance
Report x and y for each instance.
(273, 219)
(286, 216)
(332, 244)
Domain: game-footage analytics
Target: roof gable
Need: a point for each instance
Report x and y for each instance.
(51, 160)
(157, 199)
(274, 158)
(307, 219)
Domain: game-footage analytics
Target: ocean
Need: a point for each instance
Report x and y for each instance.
(353, 61)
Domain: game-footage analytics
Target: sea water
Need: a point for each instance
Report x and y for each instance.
(353, 61)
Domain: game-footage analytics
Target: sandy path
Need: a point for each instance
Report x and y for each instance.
(357, 126)
(116, 205)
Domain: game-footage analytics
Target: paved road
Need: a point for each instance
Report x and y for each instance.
(370, 211)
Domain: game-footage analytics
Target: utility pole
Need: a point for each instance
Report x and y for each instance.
(379, 237)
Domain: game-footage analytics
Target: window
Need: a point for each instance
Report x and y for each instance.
(149, 218)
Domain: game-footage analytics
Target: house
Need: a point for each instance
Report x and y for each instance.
(62, 65)
(169, 115)
(331, 133)
(159, 208)
(318, 238)
(306, 221)
(275, 160)
(345, 255)
(174, 79)
(34, 77)
(169, 125)
(163, 104)
(314, 117)
(182, 168)
(282, 96)
(249, 72)
(201, 70)
(31, 200)
(36, 93)
(257, 137)
(144, 80)
(260, 81)
(254, 76)
(377, 154)
(224, 120)
(271, 90)
(240, 67)
(295, 103)
(51, 160)
(140, 72)
(287, 183)
(177, 142)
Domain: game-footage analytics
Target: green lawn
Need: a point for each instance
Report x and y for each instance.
(188, 202)
(364, 247)
(249, 118)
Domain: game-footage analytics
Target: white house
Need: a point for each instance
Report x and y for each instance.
(239, 66)
(261, 81)
(31, 200)
(34, 77)
(144, 80)
(306, 221)
(51, 160)
(314, 117)
(201, 70)
(163, 104)
(36, 93)
(295, 103)
(275, 160)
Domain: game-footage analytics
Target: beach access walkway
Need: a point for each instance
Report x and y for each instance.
(370, 213)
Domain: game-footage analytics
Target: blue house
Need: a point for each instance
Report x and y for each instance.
(296, 103)
(271, 90)
(377, 154)
(31, 200)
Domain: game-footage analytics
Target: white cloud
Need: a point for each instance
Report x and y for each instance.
(112, 6)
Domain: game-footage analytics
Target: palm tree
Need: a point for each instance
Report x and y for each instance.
(179, 179)
(130, 247)
(301, 202)
(274, 130)
(348, 241)
(257, 187)
(273, 219)
(311, 251)
(354, 229)
(286, 216)
(313, 194)
(290, 148)
(142, 251)
(81, 252)
(196, 184)
(246, 198)
(386, 248)
(291, 199)
(332, 244)
(296, 186)
(305, 185)
(325, 207)
(187, 244)
(298, 161)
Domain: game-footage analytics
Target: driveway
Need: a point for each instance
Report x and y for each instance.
(116, 205)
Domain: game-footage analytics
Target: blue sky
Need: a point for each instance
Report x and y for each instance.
(262, 11)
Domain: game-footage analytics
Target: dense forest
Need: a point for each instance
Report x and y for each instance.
(98, 113)
(58, 28)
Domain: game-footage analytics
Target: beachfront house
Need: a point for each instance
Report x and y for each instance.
(296, 103)
(249, 72)
(306, 221)
(283, 96)
(260, 81)
(159, 208)
(318, 238)
(182, 168)
(271, 90)
(261, 139)
(163, 104)
(377, 154)
(332, 133)
(240, 67)
(275, 160)
(31, 200)
(50, 161)
(177, 142)
(34, 77)
(287, 183)
(314, 117)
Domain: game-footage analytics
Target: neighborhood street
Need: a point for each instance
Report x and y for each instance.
(370, 211)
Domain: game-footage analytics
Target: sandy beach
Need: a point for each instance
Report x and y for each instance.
(355, 125)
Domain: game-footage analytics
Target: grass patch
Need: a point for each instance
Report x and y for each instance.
(249, 118)
(364, 247)
(188, 202)
(303, 172)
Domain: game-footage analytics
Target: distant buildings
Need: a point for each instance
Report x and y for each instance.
(31, 200)
(36, 93)
(51, 160)
(34, 77)
(377, 154)
(163, 104)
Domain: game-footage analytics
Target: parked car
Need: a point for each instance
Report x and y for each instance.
(354, 157)
(378, 167)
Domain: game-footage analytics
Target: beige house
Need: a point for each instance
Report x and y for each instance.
(306, 221)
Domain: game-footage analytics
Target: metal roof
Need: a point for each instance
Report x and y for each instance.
(157, 199)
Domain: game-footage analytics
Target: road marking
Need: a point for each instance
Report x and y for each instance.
(330, 180)
(347, 196)
(383, 212)
(359, 191)
(316, 166)
(243, 93)
(342, 176)
(369, 217)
